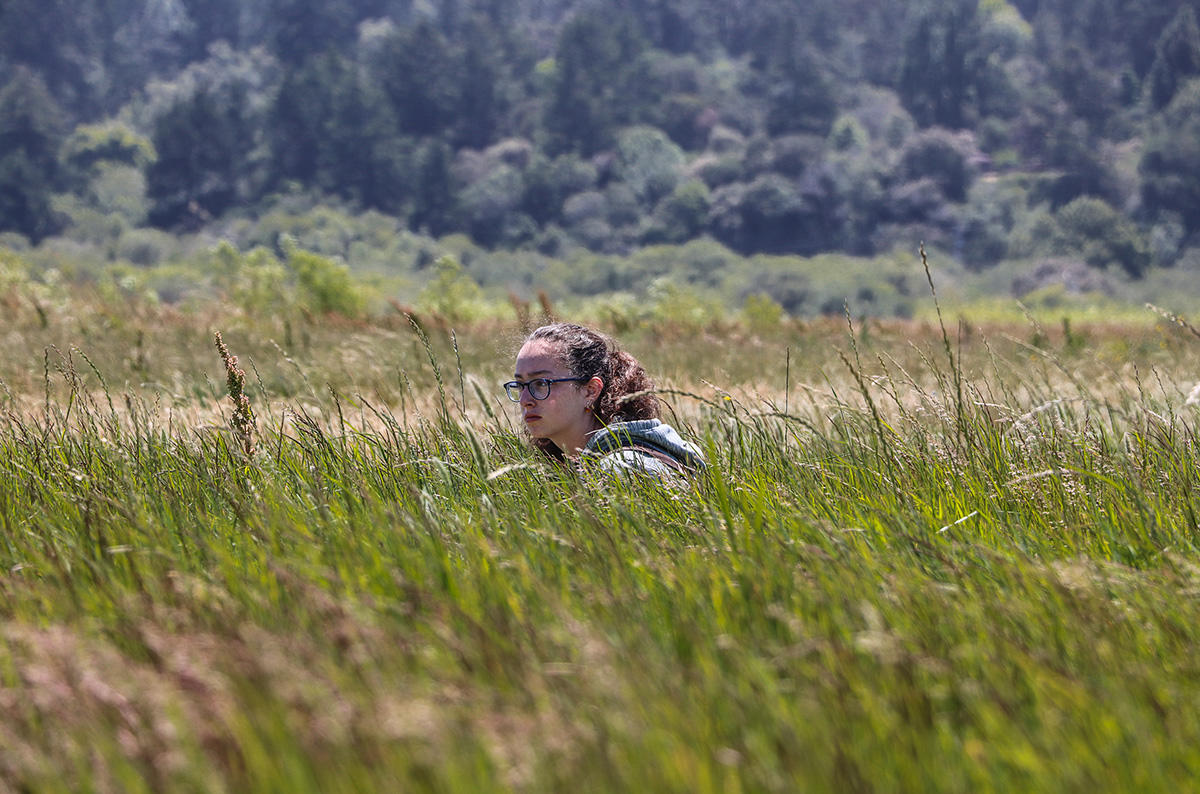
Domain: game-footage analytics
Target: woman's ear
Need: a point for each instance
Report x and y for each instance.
(593, 388)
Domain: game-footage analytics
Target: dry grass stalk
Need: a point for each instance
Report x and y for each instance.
(242, 420)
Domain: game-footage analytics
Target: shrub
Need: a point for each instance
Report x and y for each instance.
(86, 224)
(649, 162)
(14, 270)
(761, 312)
(324, 285)
(120, 190)
(682, 307)
(256, 281)
(943, 157)
(681, 215)
(716, 170)
(548, 183)
(145, 247)
(452, 294)
(584, 206)
(1170, 164)
(779, 277)
(1103, 236)
(486, 204)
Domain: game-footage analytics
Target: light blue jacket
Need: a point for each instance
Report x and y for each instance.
(640, 446)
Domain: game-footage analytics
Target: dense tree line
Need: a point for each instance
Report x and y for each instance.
(998, 129)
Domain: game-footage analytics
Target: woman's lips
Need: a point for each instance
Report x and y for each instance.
(531, 418)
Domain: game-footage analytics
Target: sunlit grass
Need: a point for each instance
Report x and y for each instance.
(910, 565)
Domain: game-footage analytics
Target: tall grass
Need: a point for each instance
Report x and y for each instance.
(954, 562)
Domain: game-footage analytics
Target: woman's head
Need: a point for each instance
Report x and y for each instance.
(606, 384)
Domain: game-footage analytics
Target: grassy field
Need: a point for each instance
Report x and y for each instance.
(921, 560)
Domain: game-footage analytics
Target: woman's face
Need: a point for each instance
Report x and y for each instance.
(563, 416)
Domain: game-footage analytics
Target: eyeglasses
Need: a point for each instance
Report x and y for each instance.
(539, 388)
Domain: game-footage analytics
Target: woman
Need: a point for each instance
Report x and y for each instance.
(583, 399)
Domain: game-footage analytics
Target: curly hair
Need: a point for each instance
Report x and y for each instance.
(627, 393)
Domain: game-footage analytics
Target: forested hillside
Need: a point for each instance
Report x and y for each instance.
(1062, 130)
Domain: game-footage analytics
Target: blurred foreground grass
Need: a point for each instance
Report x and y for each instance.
(917, 563)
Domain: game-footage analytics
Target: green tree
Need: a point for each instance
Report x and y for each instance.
(330, 129)
(1116, 32)
(64, 41)
(422, 78)
(1176, 57)
(202, 142)
(649, 162)
(218, 20)
(1086, 86)
(942, 63)
(31, 131)
(799, 94)
(548, 183)
(1170, 165)
(478, 101)
(300, 29)
(941, 156)
(1101, 235)
(434, 202)
(111, 142)
(153, 38)
(680, 216)
(596, 74)
(487, 207)
(774, 214)
(325, 286)
(452, 294)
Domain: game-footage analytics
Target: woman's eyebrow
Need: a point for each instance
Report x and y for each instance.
(538, 372)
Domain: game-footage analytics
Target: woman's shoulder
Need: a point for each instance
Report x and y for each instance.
(648, 445)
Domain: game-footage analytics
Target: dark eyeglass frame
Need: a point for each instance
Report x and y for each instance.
(539, 388)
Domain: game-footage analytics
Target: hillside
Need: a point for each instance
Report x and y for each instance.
(1045, 137)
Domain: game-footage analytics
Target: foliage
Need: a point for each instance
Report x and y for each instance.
(761, 312)
(332, 130)
(596, 75)
(1171, 160)
(91, 145)
(145, 247)
(942, 157)
(14, 270)
(119, 190)
(945, 65)
(1101, 235)
(488, 207)
(325, 286)
(452, 294)
(648, 162)
(202, 143)
(685, 308)
(1176, 58)
(822, 127)
(30, 135)
(773, 213)
(799, 94)
(680, 216)
(256, 281)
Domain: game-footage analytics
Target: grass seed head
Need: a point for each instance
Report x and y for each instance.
(243, 416)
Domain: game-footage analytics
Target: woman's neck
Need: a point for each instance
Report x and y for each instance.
(574, 442)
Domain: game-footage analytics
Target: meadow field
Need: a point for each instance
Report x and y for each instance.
(932, 554)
